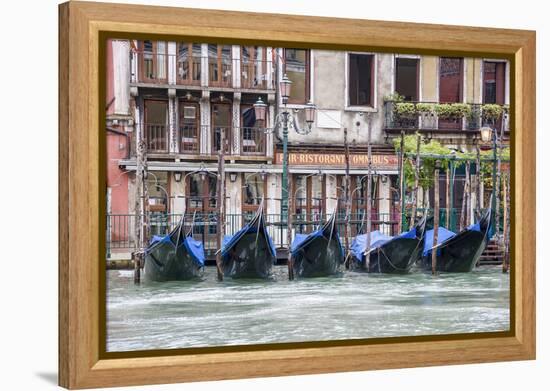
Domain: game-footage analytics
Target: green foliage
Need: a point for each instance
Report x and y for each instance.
(405, 108)
(452, 110)
(395, 97)
(425, 107)
(444, 155)
(492, 111)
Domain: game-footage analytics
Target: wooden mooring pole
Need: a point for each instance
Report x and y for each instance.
(140, 206)
(448, 196)
(369, 195)
(415, 194)
(465, 209)
(221, 200)
(402, 181)
(348, 201)
(436, 215)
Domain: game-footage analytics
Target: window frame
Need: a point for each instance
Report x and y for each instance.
(418, 74)
(308, 78)
(181, 103)
(374, 84)
(190, 57)
(250, 208)
(155, 54)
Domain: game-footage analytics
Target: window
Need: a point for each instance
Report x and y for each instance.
(154, 64)
(253, 191)
(297, 69)
(158, 189)
(361, 80)
(406, 78)
(221, 121)
(156, 129)
(189, 127)
(309, 201)
(253, 67)
(189, 63)
(450, 79)
(220, 65)
(493, 82)
(253, 136)
(202, 193)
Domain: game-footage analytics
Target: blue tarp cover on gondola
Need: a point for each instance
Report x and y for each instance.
(378, 239)
(301, 240)
(230, 240)
(194, 247)
(443, 234)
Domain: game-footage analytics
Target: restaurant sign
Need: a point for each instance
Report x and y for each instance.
(388, 162)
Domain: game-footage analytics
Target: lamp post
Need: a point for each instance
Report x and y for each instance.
(285, 119)
(489, 134)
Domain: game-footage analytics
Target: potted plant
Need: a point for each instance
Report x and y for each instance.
(425, 108)
(492, 111)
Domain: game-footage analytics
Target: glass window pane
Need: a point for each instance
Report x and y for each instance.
(406, 78)
(156, 112)
(161, 60)
(295, 68)
(360, 84)
(253, 190)
(195, 191)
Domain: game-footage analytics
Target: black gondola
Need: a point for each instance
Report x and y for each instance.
(175, 256)
(389, 254)
(318, 254)
(457, 252)
(249, 253)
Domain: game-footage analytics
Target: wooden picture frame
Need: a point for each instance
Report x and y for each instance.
(82, 28)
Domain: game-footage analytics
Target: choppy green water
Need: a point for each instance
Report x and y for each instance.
(354, 305)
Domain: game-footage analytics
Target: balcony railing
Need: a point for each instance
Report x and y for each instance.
(216, 139)
(220, 72)
(189, 139)
(203, 225)
(256, 74)
(156, 138)
(189, 70)
(156, 68)
(152, 67)
(253, 141)
(423, 116)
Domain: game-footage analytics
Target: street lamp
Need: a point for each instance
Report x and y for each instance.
(486, 133)
(310, 113)
(285, 85)
(260, 109)
(285, 119)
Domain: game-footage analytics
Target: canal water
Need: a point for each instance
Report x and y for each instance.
(354, 305)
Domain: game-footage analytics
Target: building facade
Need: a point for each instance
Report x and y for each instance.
(184, 98)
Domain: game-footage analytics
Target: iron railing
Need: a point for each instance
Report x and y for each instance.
(189, 70)
(157, 68)
(157, 138)
(252, 141)
(430, 121)
(203, 227)
(257, 74)
(189, 139)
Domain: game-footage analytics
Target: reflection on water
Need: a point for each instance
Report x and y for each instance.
(354, 305)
